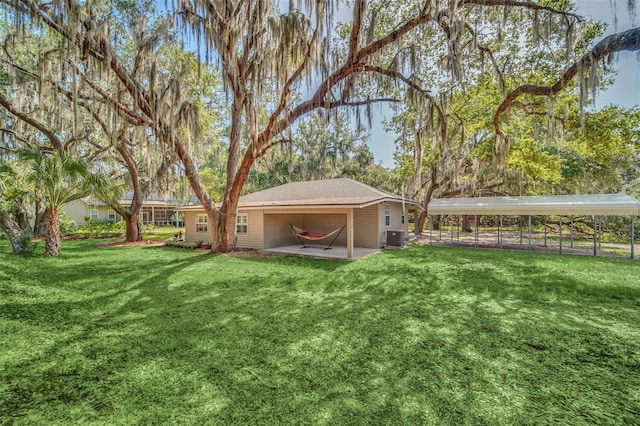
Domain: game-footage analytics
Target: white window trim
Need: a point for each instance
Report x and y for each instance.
(387, 215)
(93, 214)
(202, 219)
(240, 223)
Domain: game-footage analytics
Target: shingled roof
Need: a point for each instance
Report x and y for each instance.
(341, 192)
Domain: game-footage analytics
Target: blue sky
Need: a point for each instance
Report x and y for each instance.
(625, 91)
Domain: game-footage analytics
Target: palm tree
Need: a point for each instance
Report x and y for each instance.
(60, 178)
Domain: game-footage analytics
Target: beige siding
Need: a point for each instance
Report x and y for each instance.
(255, 227)
(366, 227)
(277, 229)
(190, 233)
(253, 239)
(76, 210)
(325, 223)
(395, 223)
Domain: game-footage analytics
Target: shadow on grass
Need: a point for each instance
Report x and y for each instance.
(420, 336)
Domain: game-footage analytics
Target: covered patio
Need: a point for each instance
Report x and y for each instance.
(560, 209)
(336, 252)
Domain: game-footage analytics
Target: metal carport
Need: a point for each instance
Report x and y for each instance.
(561, 205)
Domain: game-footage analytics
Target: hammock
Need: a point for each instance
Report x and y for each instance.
(312, 236)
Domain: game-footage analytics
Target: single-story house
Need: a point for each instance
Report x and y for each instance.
(157, 210)
(265, 218)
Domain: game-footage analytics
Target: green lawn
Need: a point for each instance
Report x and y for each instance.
(423, 336)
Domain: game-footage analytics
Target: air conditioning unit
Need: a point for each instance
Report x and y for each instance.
(395, 238)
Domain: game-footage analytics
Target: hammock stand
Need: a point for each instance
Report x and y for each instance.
(312, 236)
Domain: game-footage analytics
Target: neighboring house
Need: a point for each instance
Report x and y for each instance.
(157, 210)
(264, 218)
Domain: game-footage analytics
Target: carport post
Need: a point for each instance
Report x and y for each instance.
(500, 232)
(476, 237)
(560, 234)
(545, 230)
(595, 253)
(529, 232)
(451, 229)
(572, 231)
(633, 235)
(520, 226)
(430, 229)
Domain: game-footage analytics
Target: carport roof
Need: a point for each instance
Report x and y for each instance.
(577, 205)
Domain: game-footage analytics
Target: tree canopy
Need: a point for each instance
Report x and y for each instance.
(209, 89)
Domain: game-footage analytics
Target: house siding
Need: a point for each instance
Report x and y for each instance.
(325, 223)
(190, 233)
(78, 210)
(253, 239)
(395, 223)
(366, 227)
(255, 227)
(277, 229)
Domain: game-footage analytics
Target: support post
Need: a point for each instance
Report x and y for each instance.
(500, 232)
(430, 229)
(595, 232)
(545, 230)
(600, 232)
(476, 236)
(451, 229)
(560, 234)
(350, 234)
(633, 236)
(520, 226)
(571, 231)
(529, 232)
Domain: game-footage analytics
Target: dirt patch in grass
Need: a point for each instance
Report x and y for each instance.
(131, 243)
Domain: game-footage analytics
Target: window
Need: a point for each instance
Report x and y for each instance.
(202, 222)
(402, 217)
(94, 214)
(111, 215)
(387, 215)
(242, 224)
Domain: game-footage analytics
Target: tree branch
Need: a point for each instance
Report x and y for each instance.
(625, 40)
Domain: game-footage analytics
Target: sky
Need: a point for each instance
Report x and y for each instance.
(625, 91)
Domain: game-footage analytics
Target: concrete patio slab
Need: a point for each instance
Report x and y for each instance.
(336, 252)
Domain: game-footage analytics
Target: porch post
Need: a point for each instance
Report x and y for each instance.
(500, 232)
(350, 234)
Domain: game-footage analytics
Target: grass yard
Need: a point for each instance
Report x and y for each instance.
(423, 336)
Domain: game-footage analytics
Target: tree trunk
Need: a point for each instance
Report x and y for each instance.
(40, 221)
(11, 228)
(420, 221)
(467, 220)
(132, 227)
(224, 222)
(52, 245)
